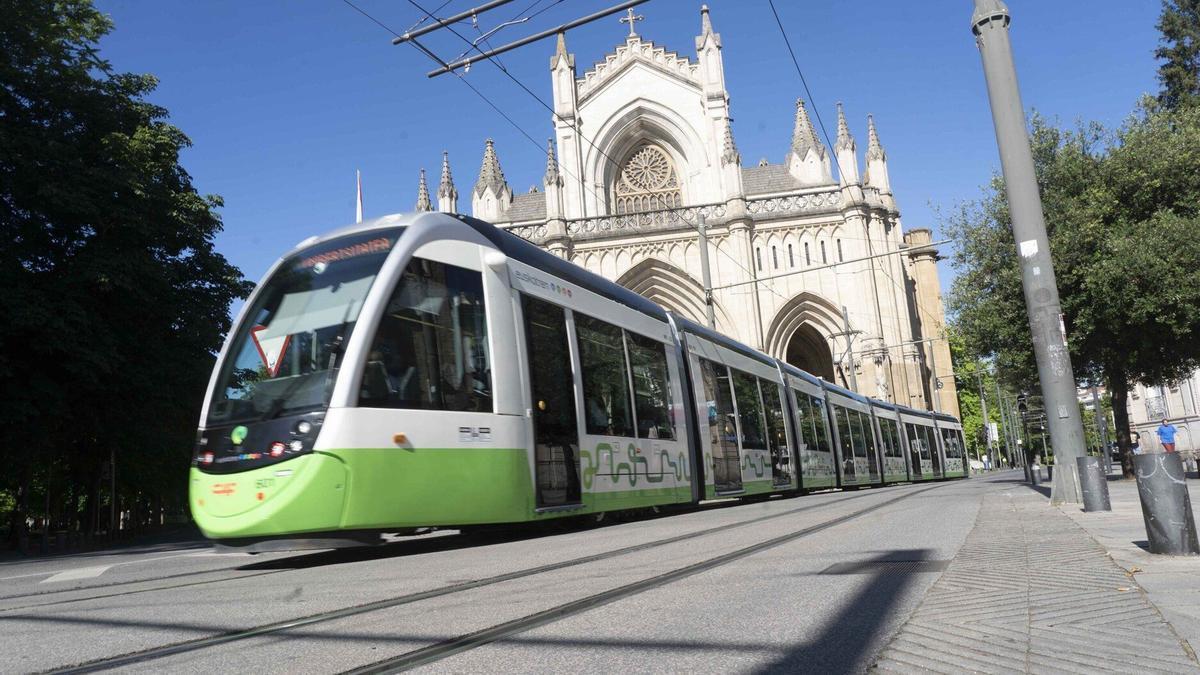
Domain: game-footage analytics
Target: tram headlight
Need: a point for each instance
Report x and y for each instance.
(303, 427)
(296, 445)
(277, 448)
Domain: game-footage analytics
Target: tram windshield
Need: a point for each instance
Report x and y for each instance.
(285, 356)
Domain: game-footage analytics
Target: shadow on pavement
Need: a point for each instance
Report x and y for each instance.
(855, 634)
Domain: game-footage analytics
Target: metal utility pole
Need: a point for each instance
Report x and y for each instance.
(987, 429)
(1101, 429)
(705, 275)
(1004, 422)
(849, 355)
(990, 26)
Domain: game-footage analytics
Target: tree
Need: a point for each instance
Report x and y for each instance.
(1179, 50)
(115, 300)
(1122, 210)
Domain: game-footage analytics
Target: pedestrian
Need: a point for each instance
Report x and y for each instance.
(1166, 435)
(1135, 443)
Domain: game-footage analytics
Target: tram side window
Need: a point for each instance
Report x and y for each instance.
(651, 387)
(862, 434)
(431, 349)
(892, 433)
(750, 410)
(820, 423)
(916, 441)
(607, 409)
(840, 416)
(776, 427)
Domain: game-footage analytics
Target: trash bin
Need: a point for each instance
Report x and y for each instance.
(1035, 474)
(1094, 484)
(1166, 505)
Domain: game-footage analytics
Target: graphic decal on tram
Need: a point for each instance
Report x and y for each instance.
(429, 370)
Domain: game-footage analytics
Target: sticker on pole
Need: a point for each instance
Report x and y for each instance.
(1029, 248)
(270, 349)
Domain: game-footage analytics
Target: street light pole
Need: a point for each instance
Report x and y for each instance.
(987, 429)
(990, 26)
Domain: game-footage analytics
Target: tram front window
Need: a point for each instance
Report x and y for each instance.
(287, 350)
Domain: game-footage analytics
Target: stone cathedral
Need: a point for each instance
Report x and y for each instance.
(643, 149)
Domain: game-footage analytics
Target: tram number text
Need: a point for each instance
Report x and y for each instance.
(264, 483)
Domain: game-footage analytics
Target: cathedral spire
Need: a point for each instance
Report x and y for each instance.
(490, 174)
(423, 203)
(804, 136)
(844, 139)
(877, 171)
(705, 22)
(874, 149)
(729, 152)
(447, 193)
(845, 150)
(552, 177)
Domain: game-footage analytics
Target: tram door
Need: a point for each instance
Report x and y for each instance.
(722, 427)
(555, 429)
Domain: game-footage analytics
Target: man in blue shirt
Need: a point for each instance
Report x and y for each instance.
(1166, 436)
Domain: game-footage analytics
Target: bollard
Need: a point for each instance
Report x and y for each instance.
(1094, 484)
(1050, 473)
(1166, 506)
(1035, 474)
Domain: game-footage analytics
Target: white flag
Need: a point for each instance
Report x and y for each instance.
(358, 180)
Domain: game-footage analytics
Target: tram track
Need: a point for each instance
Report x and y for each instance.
(277, 627)
(468, 641)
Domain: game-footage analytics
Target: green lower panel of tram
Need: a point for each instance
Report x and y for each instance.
(379, 489)
(955, 474)
(359, 489)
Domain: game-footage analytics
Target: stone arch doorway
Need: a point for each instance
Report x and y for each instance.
(808, 350)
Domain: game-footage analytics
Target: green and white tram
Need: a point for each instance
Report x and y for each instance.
(924, 453)
(891, 441)
(429, 370)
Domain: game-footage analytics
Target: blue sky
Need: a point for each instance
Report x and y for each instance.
(284, 100)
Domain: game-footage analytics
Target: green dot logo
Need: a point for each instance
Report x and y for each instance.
(238, 434)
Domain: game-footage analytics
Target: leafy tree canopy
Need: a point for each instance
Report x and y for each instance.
(115, 300)
(1122, 211)
(1179, 50)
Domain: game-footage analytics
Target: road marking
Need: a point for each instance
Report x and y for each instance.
(79, 573)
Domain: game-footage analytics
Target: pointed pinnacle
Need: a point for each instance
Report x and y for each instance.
(705, 22)
(561, 48)
(490, 174)
(804, 136)
(729, 152)
(423, 203)
(874, 149)
(552, 176)
(844, 139)
(446, 186)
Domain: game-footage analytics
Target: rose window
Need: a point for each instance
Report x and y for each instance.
(647, 181)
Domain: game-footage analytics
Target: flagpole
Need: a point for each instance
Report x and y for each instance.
(358, 182)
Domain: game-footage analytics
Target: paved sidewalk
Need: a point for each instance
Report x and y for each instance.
(1172, 583)
(1031, 591)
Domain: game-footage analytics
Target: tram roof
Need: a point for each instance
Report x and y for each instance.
(518, 249)
(802, 374)
(689, 326)
(829, 386)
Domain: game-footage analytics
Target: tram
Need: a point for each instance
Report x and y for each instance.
(430, 371)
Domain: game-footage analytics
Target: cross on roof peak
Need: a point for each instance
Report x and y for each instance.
(630, 19)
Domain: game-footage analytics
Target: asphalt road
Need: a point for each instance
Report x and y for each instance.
(816, 583)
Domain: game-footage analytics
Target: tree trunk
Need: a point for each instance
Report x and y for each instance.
(1120, 394)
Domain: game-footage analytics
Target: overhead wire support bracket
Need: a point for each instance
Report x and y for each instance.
(523, 41)
(410, 35)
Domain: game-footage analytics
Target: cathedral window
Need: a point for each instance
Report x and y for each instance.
(839, 245)
(791, 258)
(807, 257)
(647, 181)
(774, 257)
(758, 257)
(824, 260)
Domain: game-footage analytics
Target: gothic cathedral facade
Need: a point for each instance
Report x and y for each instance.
(809, 268)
